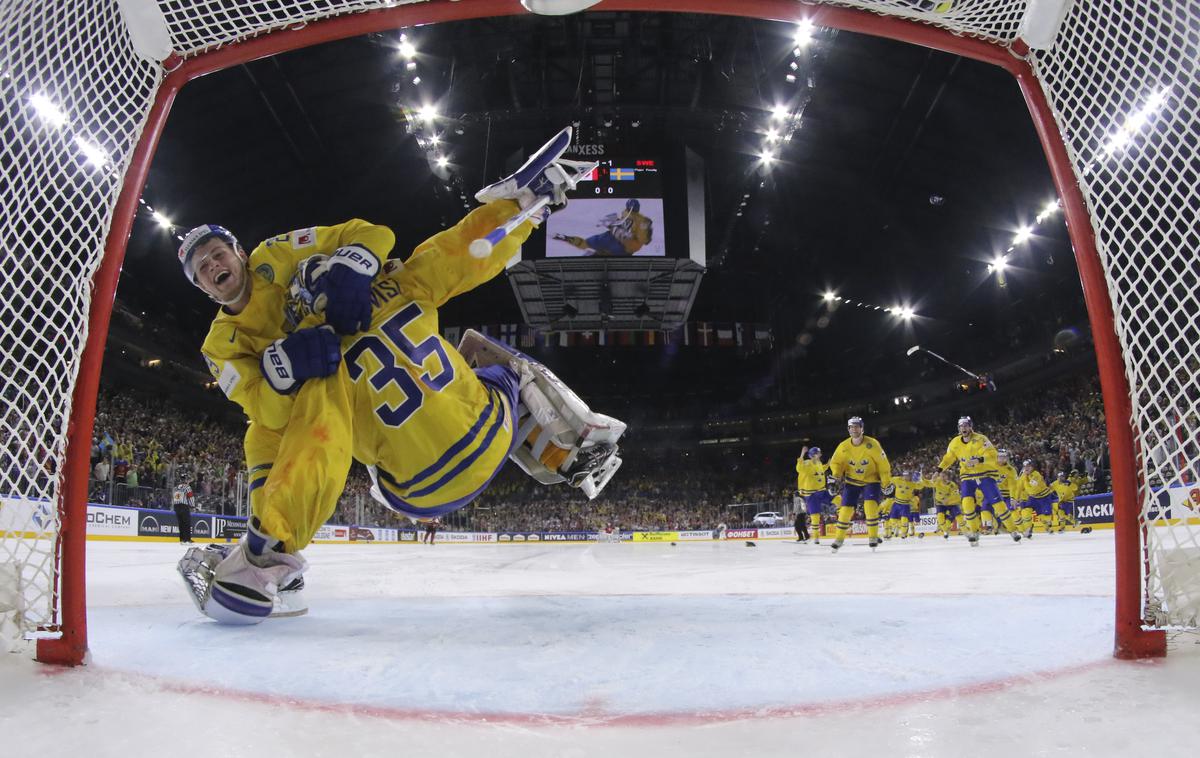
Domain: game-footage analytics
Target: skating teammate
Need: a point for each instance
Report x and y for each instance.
(976, 460)
(1039, 499)
(1065, 506)
(1006, 481)
(331, 353)
(945, 498)
(860, 464)
(811, 482)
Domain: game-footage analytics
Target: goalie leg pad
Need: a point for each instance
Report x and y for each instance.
(552, 414)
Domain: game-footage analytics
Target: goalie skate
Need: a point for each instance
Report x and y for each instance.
(545, 174)
(561, 416)
(198, 566)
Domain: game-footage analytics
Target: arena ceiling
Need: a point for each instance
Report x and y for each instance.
(907, 170)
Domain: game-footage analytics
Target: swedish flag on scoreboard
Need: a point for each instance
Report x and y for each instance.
(621, 174)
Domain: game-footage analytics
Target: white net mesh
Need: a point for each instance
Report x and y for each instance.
(74, 100)
(1122, 82)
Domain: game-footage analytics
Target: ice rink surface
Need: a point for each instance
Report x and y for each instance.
(924, 648)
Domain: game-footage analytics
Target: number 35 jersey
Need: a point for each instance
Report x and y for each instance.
(433, 431)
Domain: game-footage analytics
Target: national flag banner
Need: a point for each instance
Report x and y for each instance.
(528, 336)
(593, 175)
(725, 337)
(508, 334)
(762, 336)
(564, 339)
(624, 338)
(649, 338)
(739, 330)
(600, 339)
(587, 338)
(705, 336)
(620, 174)
(452, 334)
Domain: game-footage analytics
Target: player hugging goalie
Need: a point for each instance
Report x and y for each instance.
(335, 354)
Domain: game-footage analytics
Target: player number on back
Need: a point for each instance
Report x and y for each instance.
(387, 348)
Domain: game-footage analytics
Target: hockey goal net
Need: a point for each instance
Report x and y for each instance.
(87, 85)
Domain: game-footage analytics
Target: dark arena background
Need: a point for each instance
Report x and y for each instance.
(845, 212)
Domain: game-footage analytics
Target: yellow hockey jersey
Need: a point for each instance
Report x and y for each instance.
(861, 464)
(976, 457)
(946, 493)
(1006, 479)
(810, 475)
(905, 489)
(1065, 490)
(1033, 485)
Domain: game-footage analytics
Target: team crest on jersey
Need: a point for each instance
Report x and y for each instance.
(213, 368)
(302, 238)
(266, 272)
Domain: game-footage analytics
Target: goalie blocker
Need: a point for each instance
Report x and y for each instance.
(550, 413)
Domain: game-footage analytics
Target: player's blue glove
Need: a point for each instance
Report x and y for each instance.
(303, 354)
(346, 286)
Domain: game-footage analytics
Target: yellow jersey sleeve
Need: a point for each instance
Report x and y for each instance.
(882, 463)
(837, 462)
(951, 456)
(441, 266)
(275, 259)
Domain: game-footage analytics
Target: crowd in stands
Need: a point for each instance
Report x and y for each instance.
(143, 446)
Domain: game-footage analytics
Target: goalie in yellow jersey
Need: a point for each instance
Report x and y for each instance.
(334, 354)
(860, 464)
(976, 459)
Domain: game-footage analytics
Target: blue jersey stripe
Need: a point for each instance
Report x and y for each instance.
(256, 484)
(462, 465)
(451, 451)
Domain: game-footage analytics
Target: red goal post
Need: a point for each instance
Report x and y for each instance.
(1106, 57)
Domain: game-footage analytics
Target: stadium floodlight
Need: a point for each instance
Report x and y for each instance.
(406, 48)
(162, 220)
(442, 161)
(772, 135)
(428, 113)
(804, 33)
(907, 313)
(1023, 235)
(47, 110)
(998, 264)
(435, 139)
(830, 295)
(779, 112)
(767, 157)
(1050, 209)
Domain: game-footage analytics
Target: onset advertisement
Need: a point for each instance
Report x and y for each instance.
(108, 521)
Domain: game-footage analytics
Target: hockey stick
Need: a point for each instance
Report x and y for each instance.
(482, 247)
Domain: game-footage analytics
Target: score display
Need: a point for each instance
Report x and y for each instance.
(617, 211)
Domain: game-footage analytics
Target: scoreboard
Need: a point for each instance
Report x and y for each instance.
(615, 212)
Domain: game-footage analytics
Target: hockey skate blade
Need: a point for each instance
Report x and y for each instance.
(596, 480)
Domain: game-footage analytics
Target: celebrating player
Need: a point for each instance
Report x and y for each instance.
(1006, 482)
(811, 475)
(976, 459)
(331, 354)
(1039, 499)
(1065, 507)
(945, 498)
(860, 464)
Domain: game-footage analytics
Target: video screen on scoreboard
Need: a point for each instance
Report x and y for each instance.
(617, 212)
